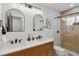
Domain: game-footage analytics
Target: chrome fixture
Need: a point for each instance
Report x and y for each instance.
(30, 6)
(32, 38)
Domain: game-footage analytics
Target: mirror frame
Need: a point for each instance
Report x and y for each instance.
(16, 10)
(34, 25)
(49, 23)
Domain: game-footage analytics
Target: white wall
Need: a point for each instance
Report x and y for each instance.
(29, 13)
(50, 14)
(0, 11)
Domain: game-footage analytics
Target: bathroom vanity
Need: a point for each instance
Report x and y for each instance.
(27, 33)
(35, 48)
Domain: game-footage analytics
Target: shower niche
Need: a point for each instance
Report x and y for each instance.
(14, 20)
(38, 23)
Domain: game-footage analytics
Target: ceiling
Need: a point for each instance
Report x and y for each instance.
(57, 6)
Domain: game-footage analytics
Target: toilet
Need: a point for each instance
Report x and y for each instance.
(59, 51)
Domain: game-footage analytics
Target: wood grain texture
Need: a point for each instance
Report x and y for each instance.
(69, 40)
(41, 50)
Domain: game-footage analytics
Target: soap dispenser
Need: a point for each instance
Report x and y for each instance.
(3, 30)
(3, 35)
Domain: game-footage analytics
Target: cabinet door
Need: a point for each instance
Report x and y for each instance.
(41, 50)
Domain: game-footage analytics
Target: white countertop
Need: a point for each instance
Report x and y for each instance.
(9, 49)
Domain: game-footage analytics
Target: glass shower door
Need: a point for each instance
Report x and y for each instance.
(70, 33)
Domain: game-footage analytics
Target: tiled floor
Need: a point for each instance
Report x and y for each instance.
(68, 53)
(71, 53)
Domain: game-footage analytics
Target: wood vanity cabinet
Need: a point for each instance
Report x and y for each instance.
(41, 50)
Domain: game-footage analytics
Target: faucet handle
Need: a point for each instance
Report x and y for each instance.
(11, 42)
(16, 40)
(20, 40)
